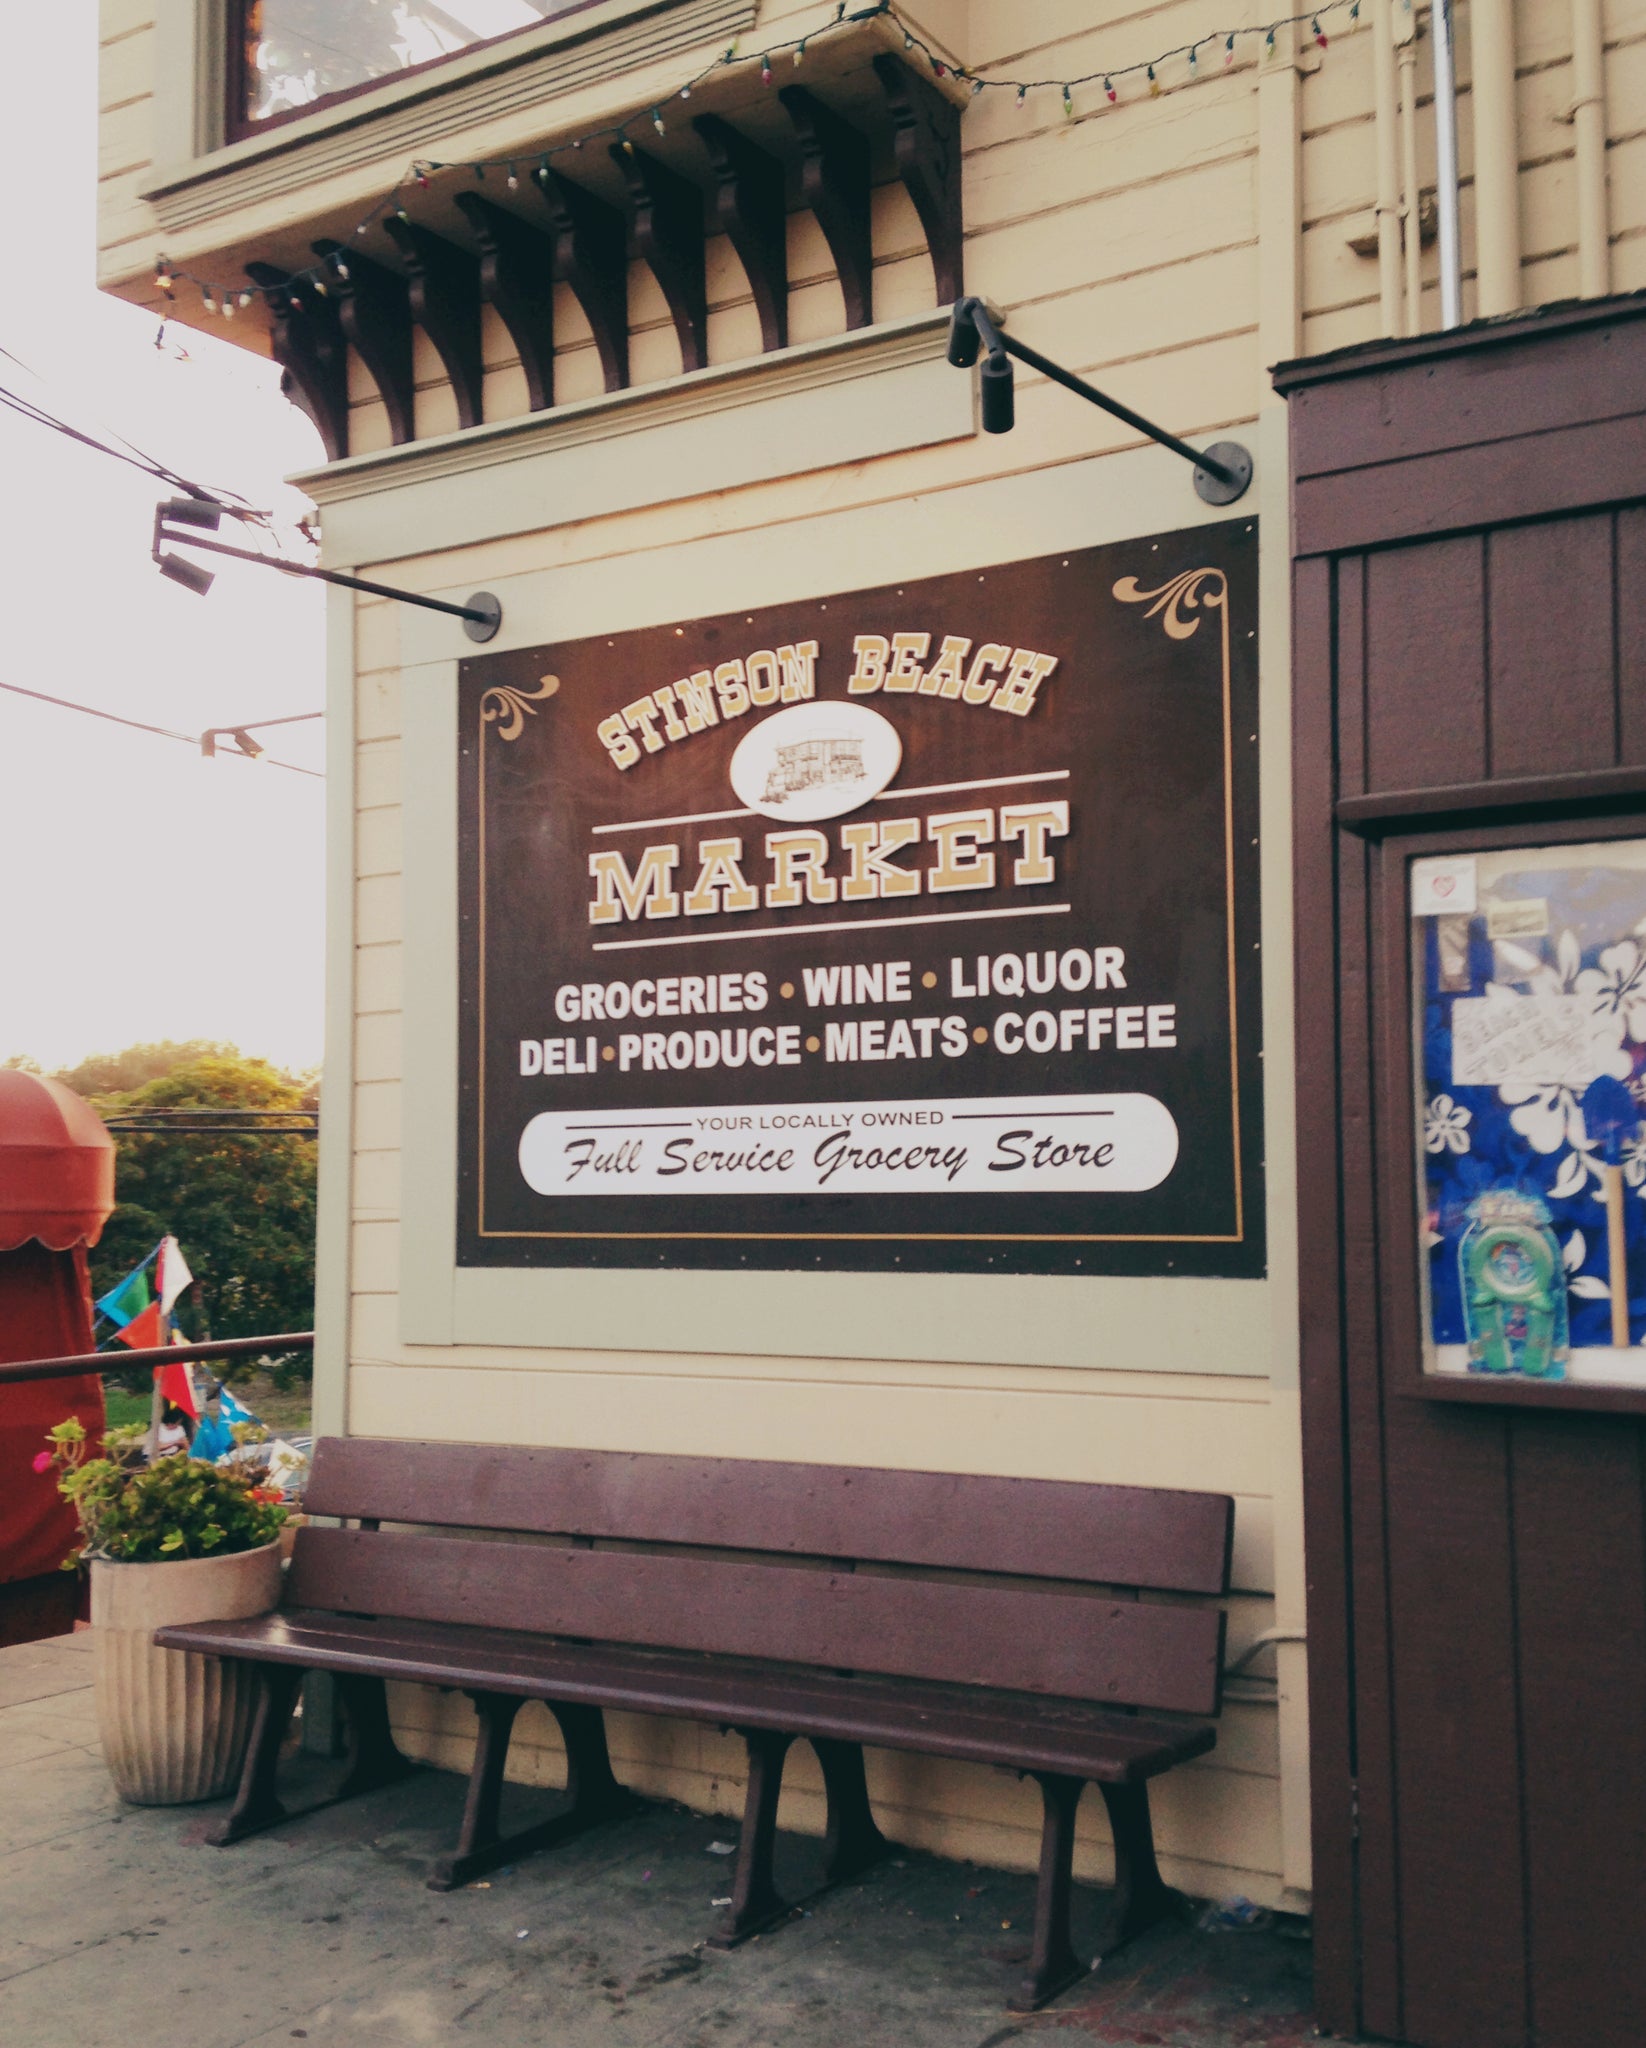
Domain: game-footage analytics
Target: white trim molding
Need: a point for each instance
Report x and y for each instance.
(548, 469)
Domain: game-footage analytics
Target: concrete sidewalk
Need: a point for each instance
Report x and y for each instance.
(119, 1928)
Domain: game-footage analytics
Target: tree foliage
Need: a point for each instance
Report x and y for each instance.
(241, 1204)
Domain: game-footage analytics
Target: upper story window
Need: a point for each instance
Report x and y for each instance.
(293, 55)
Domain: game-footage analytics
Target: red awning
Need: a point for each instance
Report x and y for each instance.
(56, 1165)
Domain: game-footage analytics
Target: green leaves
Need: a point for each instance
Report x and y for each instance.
(177, 1508)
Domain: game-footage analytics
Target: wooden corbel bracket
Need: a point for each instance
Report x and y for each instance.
(667, 212)
(749, 203)
(926, 144)
(374, 308)
(834, 180)
(443, 293)
(591, 256)
(517, 277)
(306, 340)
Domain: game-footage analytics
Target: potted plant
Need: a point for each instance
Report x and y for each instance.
(172, 1541)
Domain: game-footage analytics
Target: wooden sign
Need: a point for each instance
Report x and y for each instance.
(914, 929)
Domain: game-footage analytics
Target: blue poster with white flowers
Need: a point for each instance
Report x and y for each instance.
(1531, 973)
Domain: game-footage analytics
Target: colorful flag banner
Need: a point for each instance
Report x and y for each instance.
(121, 1304)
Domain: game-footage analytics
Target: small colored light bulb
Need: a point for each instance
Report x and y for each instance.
(1068, 104)
(1022, 97)
(657, 120)
(1228, 51)
(765, 71)
(1109, 91)
(1154, 84)
(513, 179)
(1318, 32)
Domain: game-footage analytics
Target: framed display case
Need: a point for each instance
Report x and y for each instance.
(1515, 1000)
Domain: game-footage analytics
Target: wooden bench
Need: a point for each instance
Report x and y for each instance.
(1002, 1621)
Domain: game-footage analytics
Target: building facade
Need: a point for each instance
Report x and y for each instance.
(634, 315)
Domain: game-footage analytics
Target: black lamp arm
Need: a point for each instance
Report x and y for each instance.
(481, 616)
(1226, 468)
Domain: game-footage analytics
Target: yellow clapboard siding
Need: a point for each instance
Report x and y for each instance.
(374, 1256)
(377, 778)
(376, 698)
(378, 908)
(377, 1055)
(377, 978)
(376, 1186)
(1068, 1433)
(125, 66)
(377, 841)
(377, 1116)
(1187, 215)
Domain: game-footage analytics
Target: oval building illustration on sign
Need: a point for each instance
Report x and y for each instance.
(816, 760)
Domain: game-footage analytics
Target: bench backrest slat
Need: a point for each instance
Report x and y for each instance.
(1150, 1537)
(1068, 1644)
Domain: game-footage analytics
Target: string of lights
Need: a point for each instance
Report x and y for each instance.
(164, 732)
(1156, 75)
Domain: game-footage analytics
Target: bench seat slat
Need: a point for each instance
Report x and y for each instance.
(1153, 1537)
(1078, 1647)
(1010, 1729)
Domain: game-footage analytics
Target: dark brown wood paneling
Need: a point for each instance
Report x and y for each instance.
(1130, 1652)
(1331, 1717)
(1540, 475)
(1630, 552)
(1038, 1528)
(1425, 665)
(1415, 403)
(1551, 656)
(1457, 1734)
(1580, 1565)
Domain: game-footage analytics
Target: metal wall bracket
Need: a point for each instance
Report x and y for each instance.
(1222, 473)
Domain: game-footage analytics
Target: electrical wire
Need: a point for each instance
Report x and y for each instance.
(160, 731)
(137, 457)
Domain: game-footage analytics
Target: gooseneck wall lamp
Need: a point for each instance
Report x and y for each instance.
(1221, 472)
(481, 616)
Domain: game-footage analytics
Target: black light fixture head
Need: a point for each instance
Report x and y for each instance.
(192, 512)
(963, 337)
(188, 574)
(999, 404)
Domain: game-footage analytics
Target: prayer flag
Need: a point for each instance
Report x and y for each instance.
(172, 1275)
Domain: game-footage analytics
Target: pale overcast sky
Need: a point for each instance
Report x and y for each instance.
(147, 892)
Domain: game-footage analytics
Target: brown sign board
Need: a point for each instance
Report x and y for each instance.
(910, 929)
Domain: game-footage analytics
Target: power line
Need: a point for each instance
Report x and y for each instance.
(138, 457)
(159, 731)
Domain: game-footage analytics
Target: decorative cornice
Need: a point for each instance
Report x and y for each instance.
(403, 120)
(862, 352)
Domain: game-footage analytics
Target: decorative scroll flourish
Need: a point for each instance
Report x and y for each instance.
(1183, 593)
(503, 702)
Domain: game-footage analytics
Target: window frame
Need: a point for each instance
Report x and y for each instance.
(1398, 1163)
(239, 126)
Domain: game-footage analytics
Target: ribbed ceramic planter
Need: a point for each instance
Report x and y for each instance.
(174, 1725)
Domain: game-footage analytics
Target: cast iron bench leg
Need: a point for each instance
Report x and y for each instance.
(374, 1756)
(852, 1841)
(593, 1794)
(1142, 1895)
(756, 1901)
(256, 1804)
(1053, 1963)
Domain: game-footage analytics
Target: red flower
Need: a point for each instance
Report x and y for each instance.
(42, 1461)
